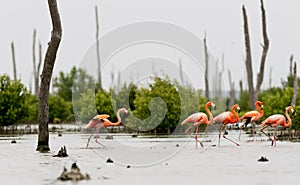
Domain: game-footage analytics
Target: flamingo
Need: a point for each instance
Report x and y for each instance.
(252, 116)
(228, 117)
(101, 121)
(197, 119)
(275, 121)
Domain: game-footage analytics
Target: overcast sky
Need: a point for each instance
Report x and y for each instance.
(222, 20)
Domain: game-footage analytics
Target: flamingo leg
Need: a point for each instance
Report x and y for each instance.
(253, 128)
(96, 140)
(274, 140)
(262, 130)
(241, 130)
(229, 139)
(221, 127)
(88, 141)
(187, 132)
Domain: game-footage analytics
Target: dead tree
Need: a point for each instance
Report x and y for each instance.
(98, 49)
(181, 72)
(14, 60)
(253, 93)
(295, 85)
(219, 79)
(206, 69)
(270, 78)
(49, 61)
(232, 91)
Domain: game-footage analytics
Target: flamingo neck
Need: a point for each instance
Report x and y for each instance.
(261, 112)
(119, 120)
(236, 115)
(211, 118)
(289, 123)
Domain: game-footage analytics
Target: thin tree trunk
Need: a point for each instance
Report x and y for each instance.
(219, 81)
(53, 45)
(14, 60)
(241, 87)
(34, 63)
(253, 94)
(270, 78)
(248, 60)
(260, 75)
(98, 49)
(294, 99)
(206, 69)
(39, 66)
(181, 72)
(232, 91)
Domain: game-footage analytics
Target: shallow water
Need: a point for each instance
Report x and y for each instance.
(151, 161)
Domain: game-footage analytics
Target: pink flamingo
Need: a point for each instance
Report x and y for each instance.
(252, 116)
(227, 118)
(275, 121)
(198, 119)
(101, 121)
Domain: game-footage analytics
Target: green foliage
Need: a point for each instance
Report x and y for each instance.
(104, 104)
(276, 100)
(244, 101)
(159, 107)
(13, 97)
(84, 106)
(59, 109)
(76, 81)
(32, 107)
(289, 81)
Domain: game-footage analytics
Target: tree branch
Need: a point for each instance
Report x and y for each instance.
(260, 75)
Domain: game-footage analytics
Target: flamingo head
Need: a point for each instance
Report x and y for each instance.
(211, 104)
(236, 106)
(291, 109)
(259, 104)
(124, 110)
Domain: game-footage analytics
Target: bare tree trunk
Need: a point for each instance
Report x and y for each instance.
(232, 91)
(206, 69)
(220, 77)
(291, 64)
(248, 60)
(14, 60)
(260, 75)
(53, 45)
(270, 78)
(253, 94)
(39, 66)
(98, 49)
(36, 90)
(241, 87)
(181, 72)
(294, 99)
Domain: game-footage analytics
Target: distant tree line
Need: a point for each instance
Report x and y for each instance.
(18, 105)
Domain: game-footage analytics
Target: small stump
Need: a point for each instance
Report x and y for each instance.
(62, 152)
(74, 174)
(263, 159)
(13, 141)
(109, 137)
(109, 160)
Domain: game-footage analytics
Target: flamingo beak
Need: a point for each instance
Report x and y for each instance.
(293, 112)
(214, 106)
(262, 107)
(239, 110)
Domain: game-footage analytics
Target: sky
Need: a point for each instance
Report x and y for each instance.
(221, 20)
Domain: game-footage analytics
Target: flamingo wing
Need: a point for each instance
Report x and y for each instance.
(250, 114)
(222, 117)
(101, 116)
(274, 120)
(195, 118)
